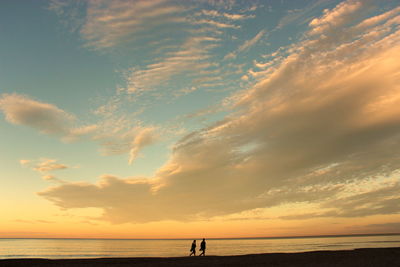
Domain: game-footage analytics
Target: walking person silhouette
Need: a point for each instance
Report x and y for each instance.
(193, 248)
(203, 247)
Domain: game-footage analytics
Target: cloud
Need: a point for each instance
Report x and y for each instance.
(251, 42)
(117, 136)
(185, 91)
(362, 197)
(47, 165)
(110, 23)
(69, 13)
(246, 45)
(322, 127)
(25, 162)
(336, 17)
(131, 140)
(245, 78)
(377, 201)
(215, 13)
(226, 4)
(379, 18)
(155, 29)
(300, 16)
(143, 138)
(216, 23)
(44, 167)
(120, 135)
(46, 118)
(230, 55)
(191, 59)
(48, 177)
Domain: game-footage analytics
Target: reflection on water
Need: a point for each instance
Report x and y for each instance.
(87, 248)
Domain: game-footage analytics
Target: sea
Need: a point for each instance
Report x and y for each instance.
(100, 248)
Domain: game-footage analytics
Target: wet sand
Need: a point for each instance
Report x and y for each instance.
(359, 257)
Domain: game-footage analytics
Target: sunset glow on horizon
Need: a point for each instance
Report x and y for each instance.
(211, 118)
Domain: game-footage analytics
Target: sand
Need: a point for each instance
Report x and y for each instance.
(359, 257)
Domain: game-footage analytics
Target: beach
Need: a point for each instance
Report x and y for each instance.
(358, 257)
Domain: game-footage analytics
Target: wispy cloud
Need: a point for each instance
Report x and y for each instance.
(49, 165)
(45, 167)
(300, 16)
(324, 121)
(246, 45)
(110, 23)
(190, 58)
(115, 138)
(116, 135)
(49, 178)
(68, 12)
(230, 16)
(251, 42)
(215, 23)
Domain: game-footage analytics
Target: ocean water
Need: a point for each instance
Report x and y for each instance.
(93, 248)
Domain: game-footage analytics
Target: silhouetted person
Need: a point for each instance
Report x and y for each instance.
(203, 247)
(193, 248)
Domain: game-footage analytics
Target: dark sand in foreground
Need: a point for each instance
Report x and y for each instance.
(359, 257)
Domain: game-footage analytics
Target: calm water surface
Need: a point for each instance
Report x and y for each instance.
(87, 248)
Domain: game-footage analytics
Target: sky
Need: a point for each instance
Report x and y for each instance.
(209, 118)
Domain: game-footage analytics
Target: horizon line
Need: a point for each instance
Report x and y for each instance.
(211, 238)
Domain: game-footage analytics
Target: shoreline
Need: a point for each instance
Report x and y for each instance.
(357, 257)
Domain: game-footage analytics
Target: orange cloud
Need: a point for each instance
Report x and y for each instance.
(322, 122)
(49, 165)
